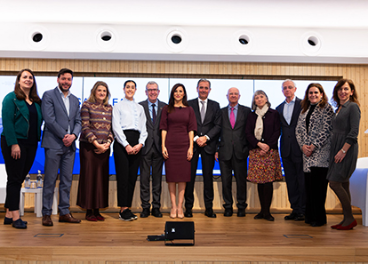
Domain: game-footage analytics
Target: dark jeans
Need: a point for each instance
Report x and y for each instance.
(16, 169)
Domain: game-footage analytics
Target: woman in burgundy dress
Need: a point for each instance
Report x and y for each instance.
(178, 124)
(94, 152)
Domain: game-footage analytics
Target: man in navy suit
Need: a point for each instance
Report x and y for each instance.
(151, 153)
(233, 153)
(291, 154)
(208, 117)
(60, 110)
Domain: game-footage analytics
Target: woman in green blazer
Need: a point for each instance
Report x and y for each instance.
(22, 119)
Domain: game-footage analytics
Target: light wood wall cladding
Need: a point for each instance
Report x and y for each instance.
(280, 202)
(358, 73)
(225, 70)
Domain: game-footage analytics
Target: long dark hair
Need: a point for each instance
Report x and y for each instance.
(306, 102)
(171, 107)
(33, 94)
(353, 98)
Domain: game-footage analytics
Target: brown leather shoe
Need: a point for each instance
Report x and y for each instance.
(46, 220)
(68, 218)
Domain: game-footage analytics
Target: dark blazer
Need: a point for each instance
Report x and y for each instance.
(288, 143)
(211, 125)
(153, 130)
(57, 119)
(271, 129)
(233, 140)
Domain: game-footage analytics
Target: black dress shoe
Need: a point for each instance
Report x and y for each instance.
(316, 224)
(299, 217)
(241, 212)
(228, 212)
(145, 212)
(291, 216)
(188, 213)
(269, 217)
(156, 212)
(258, 216)
(209, 213)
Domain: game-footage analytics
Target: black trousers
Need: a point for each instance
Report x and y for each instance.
(17, 170)
(239, 166)
(208, 162)
(153, 159)
(126, 169)
(316, 189)
(294, 177)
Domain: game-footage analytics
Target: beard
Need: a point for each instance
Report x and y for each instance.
(64, 89)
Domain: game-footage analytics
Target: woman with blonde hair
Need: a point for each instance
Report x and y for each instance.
(94, 152)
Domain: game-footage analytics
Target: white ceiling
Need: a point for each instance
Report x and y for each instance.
(277, 30)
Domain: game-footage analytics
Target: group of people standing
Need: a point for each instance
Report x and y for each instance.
(151, 132)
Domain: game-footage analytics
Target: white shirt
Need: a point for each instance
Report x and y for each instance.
(200, 109)
(288, 110)
(66, 103)
(128, 115)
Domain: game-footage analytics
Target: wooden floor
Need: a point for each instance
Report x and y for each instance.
(221, 240)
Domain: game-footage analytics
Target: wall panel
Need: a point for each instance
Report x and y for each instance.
(358, 73)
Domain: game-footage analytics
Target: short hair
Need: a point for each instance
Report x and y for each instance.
(92, 96)
(258, 92)
(128, 81)
(353, 98)
(287, 80)
(152, 83)
(33, 94)
(65, 70)
(203, 80)
(306, 102)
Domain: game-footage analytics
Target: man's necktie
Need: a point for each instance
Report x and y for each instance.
(153, 113)
(203, 111)
(232, 117)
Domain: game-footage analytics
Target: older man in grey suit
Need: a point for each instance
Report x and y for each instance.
(233, 152)
(60, 110)
(151, 153)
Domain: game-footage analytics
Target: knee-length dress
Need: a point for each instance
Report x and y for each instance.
(178, 124)
(345, 129)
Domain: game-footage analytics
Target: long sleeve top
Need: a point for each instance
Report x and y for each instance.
(128, 115)
(96, 122)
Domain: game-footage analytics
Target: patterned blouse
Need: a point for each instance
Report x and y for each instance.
(319, 134)
(96, 122)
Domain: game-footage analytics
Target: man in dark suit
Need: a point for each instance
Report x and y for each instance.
(208, 129)
(233, 152)
(290, 152)
(60, 110)
(151, 153)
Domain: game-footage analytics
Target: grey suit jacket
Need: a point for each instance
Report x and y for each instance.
(233, 140)
(288, 144)
(153, 130)
(211, 125)
(57, 119)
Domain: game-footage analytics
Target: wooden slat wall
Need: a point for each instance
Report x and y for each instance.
(358, 73)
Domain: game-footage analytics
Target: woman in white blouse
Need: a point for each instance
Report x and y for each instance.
(129, 127)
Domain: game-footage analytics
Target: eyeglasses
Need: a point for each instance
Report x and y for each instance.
(152, 90)
(288, 87)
